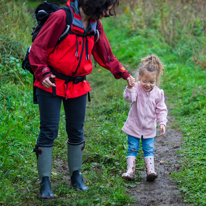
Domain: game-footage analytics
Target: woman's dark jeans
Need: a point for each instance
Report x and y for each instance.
(49, 108)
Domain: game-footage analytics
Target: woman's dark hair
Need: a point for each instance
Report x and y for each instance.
(96, 8)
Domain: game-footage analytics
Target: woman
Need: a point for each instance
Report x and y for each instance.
(60, 72)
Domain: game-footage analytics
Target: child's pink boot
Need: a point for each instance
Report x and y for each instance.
(131, 164)
(149, 164)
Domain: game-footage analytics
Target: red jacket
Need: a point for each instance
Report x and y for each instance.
(72, 57)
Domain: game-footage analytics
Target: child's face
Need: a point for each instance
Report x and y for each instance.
(148, 81)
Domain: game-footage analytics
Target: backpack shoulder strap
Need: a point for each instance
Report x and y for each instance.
(69, 20)
(97, 24)
(97, 32)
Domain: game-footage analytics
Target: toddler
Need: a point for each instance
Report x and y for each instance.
(147, 106)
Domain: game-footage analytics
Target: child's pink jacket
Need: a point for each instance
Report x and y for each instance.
(145, 109)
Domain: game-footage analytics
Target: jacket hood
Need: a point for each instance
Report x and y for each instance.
(68, 3)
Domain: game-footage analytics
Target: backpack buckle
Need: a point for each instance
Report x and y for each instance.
(77, 80)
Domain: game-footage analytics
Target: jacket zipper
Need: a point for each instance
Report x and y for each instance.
(80, 57)
(107, 53)
(76, 54)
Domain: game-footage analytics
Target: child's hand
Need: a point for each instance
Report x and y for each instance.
(162, 127)
(131, 81)
(129, 87)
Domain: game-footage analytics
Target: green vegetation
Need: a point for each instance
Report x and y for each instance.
(184, 79)
(132, 36)
(33, 4)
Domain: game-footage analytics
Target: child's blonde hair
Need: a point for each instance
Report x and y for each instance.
(151, 63)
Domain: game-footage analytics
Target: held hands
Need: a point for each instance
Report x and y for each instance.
(47, 83)
(131, 82)
(162, 127)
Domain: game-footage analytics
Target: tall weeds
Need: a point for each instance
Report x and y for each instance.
(16, 25)
(177, 21)
(173, 14)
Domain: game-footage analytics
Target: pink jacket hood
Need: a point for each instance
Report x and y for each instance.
(146, 108)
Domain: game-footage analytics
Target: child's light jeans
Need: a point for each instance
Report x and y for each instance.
(147, 146)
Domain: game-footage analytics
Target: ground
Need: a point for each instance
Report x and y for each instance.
(163, 191)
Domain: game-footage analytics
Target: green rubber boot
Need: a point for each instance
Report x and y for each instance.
(44, 165)
(75, 152)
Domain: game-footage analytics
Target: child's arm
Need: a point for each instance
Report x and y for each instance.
(162, 127)
(161, 112)
(130, 93)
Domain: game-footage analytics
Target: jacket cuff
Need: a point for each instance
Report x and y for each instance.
(129, 90)
(44, 74)
(125, 73)
(163, 123)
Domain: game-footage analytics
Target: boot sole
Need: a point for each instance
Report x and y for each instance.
(151, 177)
(47, 198)
(128, 178)
(78, 189)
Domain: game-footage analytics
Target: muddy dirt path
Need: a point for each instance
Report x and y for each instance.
(162, 192)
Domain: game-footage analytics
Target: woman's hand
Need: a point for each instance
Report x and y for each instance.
(162, 127)
(130, 81)
(47, 83)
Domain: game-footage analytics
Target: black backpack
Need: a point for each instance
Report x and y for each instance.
(42, 13)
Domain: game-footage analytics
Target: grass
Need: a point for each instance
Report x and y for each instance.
(105, 151)
(20, 128)
(184, 80)
(15, 31)
(105, 146)
(33, 4)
